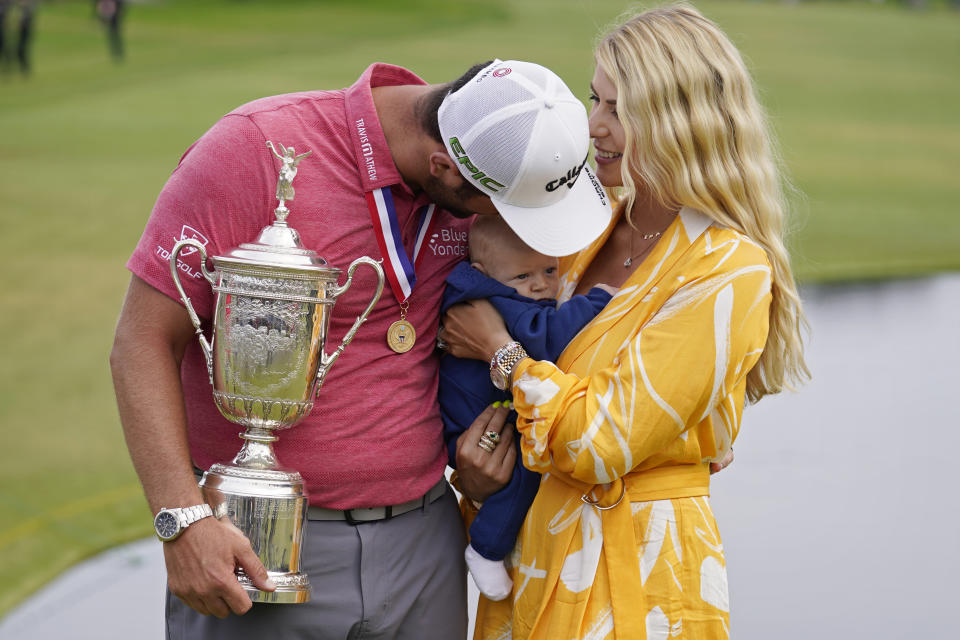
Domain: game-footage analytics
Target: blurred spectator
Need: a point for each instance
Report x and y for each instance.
(4, 6)
(24, 34)
(110, 13)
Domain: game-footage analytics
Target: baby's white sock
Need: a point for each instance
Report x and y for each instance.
(491, 576)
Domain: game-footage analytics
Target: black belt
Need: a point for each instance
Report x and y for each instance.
(373, 514)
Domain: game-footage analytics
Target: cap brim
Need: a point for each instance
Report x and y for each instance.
(564, 227)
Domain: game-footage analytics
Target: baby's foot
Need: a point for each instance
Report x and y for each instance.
(491, 576)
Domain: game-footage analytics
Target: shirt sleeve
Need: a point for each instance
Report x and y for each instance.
(464, 392)
(545, 330)
(220, 194)
(682, 363)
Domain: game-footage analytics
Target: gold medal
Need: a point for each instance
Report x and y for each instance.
(401, 336)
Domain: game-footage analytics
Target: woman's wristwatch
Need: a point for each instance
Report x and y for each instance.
(503, 362)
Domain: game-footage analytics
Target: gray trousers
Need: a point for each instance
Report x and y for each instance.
(402, 578)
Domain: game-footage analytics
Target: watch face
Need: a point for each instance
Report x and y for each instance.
(166, 524)
(498, 379)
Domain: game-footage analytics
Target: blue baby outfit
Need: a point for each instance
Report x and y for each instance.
(466, 390)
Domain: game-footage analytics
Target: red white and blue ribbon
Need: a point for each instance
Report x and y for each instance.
(400, 269)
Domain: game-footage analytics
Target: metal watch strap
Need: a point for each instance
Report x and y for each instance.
(189, 515)
(498, 355)
(498, 375)
(168, 524)
(510, 360)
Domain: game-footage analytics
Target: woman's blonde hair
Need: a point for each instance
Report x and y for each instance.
(696, 136)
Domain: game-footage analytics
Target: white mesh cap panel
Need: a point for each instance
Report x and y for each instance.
(504, 147)
(467, 110)
(536, 75)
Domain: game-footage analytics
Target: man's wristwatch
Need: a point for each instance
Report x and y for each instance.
(170, 523)
(503, 362)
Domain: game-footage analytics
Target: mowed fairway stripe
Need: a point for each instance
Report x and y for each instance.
(76, 507)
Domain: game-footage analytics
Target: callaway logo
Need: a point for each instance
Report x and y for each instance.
(568, 179)
(598, 188)
(475, 173)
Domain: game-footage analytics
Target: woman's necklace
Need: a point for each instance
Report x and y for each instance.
(645, 236)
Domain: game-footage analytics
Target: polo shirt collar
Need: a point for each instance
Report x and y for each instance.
(374, 162)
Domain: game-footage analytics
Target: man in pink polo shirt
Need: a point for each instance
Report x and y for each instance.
(384, 543)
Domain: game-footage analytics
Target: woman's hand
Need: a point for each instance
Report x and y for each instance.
(473, 329)
(716, 467)
(483, 473)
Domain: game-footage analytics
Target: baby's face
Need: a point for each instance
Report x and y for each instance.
(532, 274)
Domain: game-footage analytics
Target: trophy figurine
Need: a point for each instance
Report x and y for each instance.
(266, 361)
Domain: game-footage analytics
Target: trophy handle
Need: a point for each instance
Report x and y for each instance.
(327, 361)
(205, 345)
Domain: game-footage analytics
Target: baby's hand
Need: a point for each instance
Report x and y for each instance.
(605, 287)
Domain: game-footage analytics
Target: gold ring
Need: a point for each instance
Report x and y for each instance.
(488, 441)
(596, 503)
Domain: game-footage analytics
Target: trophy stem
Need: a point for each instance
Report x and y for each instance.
(257, 451)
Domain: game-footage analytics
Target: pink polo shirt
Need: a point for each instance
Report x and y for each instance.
(375, 436)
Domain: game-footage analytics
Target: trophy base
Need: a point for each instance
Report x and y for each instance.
(292, 588)
(270, 507)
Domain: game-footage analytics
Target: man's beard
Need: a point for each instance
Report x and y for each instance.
(451, 199)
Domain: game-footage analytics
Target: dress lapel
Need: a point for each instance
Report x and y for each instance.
(641, 295)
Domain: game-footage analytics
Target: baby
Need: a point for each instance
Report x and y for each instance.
(523, 285)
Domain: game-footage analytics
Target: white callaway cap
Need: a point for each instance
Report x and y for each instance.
(521, 137)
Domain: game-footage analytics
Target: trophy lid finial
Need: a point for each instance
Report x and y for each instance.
(279, 244)
(288, 171)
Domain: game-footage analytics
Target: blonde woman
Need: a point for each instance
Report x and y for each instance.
(620, 541)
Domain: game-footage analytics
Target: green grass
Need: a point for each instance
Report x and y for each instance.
(864, 98)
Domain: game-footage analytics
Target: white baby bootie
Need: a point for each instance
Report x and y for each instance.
(491, 576)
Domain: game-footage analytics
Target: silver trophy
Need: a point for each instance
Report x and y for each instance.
(266, 362)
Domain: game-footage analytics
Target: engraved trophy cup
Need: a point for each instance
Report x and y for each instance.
(266, 361)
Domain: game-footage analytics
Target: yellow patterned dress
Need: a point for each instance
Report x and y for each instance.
(638, 405)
